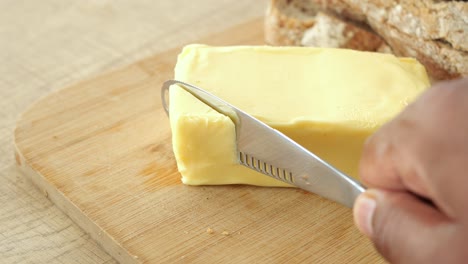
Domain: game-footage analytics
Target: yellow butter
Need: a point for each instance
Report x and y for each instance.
(328, 100)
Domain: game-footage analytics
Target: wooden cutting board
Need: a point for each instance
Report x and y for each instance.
(101, 151)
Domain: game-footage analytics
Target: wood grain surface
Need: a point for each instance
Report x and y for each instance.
(46, 45)
(101, 151)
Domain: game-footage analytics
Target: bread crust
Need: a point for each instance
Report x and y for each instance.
(434, 32)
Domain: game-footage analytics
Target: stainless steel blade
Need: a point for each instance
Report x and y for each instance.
(272, 153)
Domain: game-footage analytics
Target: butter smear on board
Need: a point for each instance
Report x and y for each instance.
(328, 100)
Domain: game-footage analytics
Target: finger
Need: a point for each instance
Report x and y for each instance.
(402, 228)
(377, 167)
(390, 158)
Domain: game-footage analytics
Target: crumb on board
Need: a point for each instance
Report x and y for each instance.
(209, 230)
(225, 233)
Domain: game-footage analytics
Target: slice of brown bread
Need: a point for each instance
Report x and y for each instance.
(436, 33)
(433, 31)
(300, 22)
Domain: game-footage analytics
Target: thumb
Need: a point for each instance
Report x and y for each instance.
(402, 227)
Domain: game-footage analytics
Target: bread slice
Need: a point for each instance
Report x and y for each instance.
(433, 31)
(300, 22)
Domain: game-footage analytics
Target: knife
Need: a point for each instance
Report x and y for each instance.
(268, 151)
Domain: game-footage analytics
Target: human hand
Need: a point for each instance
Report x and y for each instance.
(416, 168)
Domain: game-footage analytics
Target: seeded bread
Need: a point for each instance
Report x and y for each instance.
(433, 31)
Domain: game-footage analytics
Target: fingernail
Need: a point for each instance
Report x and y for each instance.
(364, 209)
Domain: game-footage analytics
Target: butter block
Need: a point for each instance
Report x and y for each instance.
(328, 100)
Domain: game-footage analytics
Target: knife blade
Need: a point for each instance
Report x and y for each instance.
(270, 152)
